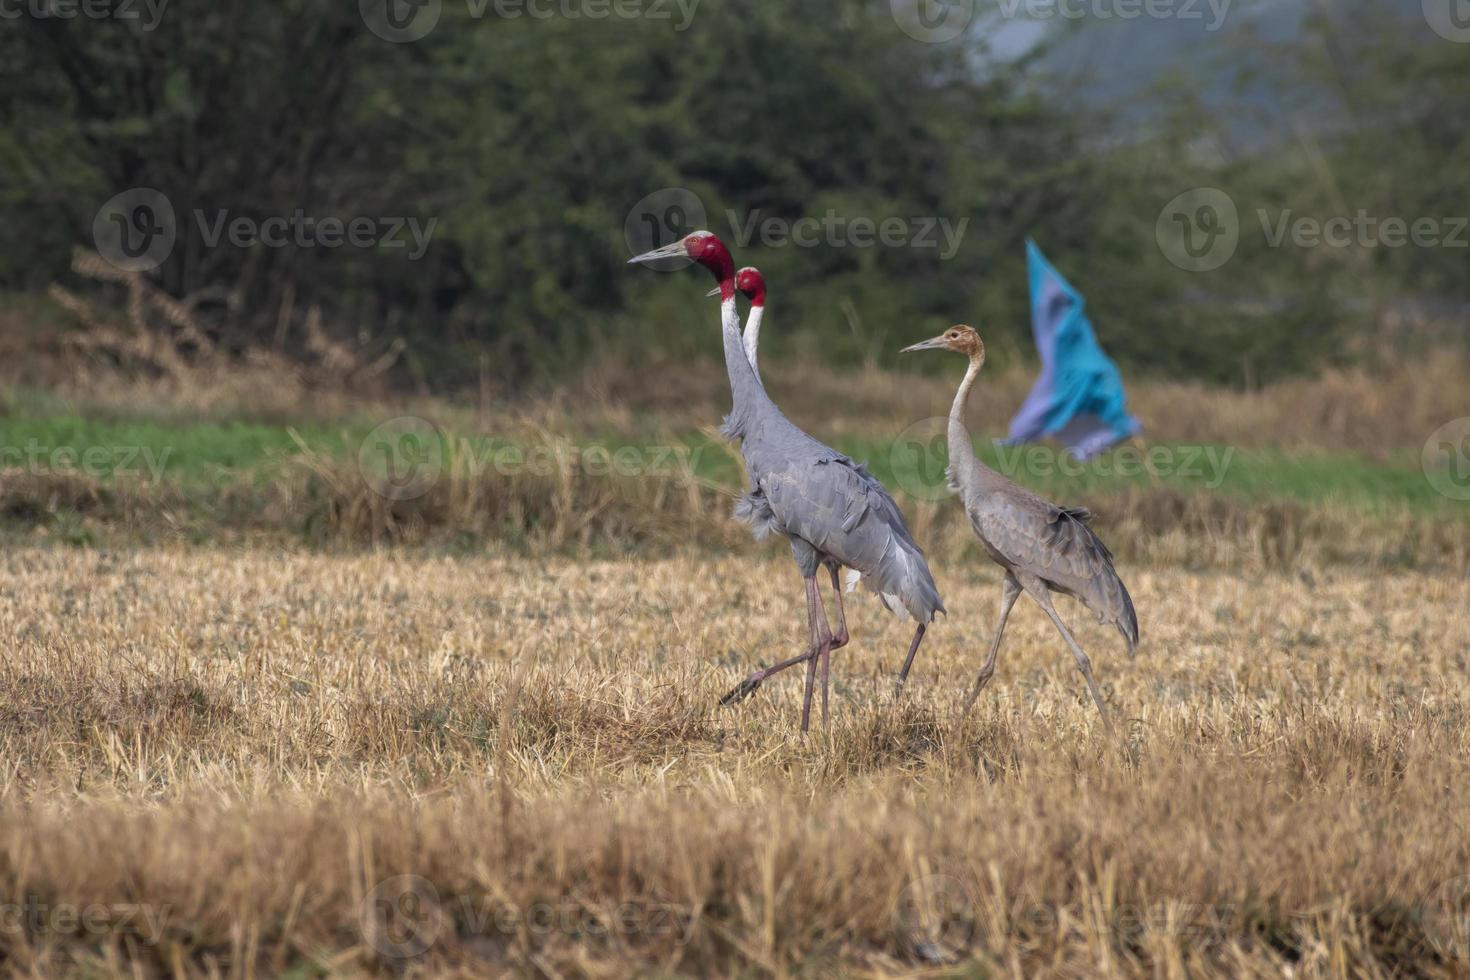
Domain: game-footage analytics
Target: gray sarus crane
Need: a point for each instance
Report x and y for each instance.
(1042, 547)
(829, 507)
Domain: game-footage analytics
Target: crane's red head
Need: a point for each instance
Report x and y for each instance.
(752, 285)
(703, 247)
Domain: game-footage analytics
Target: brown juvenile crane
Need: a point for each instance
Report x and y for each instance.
(1043, 548)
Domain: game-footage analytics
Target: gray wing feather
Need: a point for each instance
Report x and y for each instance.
(847, 515)
(830, 505)
(1056, 545)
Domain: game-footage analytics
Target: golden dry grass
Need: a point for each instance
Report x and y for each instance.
(217, 761)
(1370, 409)
(1391, 401)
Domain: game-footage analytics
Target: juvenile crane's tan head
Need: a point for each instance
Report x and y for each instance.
(958, 338)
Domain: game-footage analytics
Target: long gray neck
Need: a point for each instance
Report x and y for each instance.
(753, 339)
(750, 399)
(960, 448)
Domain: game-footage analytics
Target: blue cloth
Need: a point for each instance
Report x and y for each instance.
(1079, 396)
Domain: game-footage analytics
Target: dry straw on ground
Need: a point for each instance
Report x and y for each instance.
(244, 763)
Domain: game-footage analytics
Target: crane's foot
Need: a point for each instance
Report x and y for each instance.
(747, 687)
(742, 691)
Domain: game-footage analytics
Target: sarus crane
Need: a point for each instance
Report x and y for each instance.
(831, 510)
(1043, 548)
(752, 285)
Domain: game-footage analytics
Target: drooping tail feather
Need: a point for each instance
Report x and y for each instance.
(1128, 619)
(903, 583)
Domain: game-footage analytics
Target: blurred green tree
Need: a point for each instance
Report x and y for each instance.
(529, 139)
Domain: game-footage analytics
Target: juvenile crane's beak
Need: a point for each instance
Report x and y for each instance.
(931, 344)
(673, 251)
(713, 292)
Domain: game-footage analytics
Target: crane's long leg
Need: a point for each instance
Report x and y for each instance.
(1010, 591)
(1083, 664)
(747, 687)
(825, 640)
(840, 638)
(837, 638)
(839, 635)
(822, 647)
(806, 698)
(903, 674)
(826, 678)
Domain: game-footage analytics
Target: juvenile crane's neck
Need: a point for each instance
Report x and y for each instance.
(960, 448)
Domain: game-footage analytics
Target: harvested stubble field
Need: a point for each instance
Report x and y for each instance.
(257, 718)
(247, 762)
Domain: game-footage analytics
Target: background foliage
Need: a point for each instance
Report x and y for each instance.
(530, 139)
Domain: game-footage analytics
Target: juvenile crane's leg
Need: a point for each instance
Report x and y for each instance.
(1010, 591)
(903, 674)
(1083, 664)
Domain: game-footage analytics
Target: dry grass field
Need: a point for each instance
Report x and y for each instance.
(247, 762)
(259, 718)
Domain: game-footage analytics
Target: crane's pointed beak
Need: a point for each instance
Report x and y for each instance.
(673, 251)
(713, 292)
(933, 343)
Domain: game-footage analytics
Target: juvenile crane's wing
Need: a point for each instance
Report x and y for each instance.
(1056, 545)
